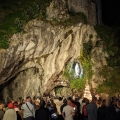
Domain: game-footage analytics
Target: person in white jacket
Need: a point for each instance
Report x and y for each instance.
(10, 113)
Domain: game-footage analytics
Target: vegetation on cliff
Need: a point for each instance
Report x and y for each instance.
(16, 13)
(85, 60)
(111, 39)
(77, 82)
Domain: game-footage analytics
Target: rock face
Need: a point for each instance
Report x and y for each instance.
(59, 9)
(36, 58)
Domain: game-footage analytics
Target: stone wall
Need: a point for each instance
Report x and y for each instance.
(59, 9)
(36, 59)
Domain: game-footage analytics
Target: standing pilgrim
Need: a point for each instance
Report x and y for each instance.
(10, 113)
(28, 109)
(68, 112)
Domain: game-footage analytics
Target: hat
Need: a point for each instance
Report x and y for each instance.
(10, 105)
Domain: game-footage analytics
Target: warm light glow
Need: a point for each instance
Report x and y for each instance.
(87, 93)
(62, 82)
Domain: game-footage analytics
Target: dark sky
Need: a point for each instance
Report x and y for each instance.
(111, 12)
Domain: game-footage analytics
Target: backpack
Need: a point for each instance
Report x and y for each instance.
(85, 110)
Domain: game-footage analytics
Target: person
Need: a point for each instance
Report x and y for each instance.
(81, 98)
(112, 114)
(10, 113)
(118, 109)
(1, 111)
(17, 110)
(78, 107)
(92, 109)
(102, 112)
(42, 113)
(84, 110)
(58, 105)
(28, 109)
(53, 105)
(81, 108)
(52, 111)
(63, 105)
(68, 111)
(99, 103)
(75, 110)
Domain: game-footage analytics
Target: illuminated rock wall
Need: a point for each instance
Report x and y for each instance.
(36, 58)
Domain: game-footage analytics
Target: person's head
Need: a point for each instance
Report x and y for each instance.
(12, 101)
(118, 103)
(69, 101)
(113, 101)
(104, 103)
(86, 101)
(99, 102)
(65, 101)
(23, 101)
(94, 99)
(81, 95)
(42, 103)
(1, 105)
(16, 103)
(10, 105)
(28, 99)
(60, 98)
(48, 104)
(76, 99)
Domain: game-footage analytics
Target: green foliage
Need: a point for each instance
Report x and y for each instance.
(17, 13)
(111, 39)
(105, 33)
(4, 43)
(79, 83)
(87, 67)
(74, 18)
(77, 17)
(18, 25)
(90, 36)
(112, 83)
(31, 12)
(43, 5)
(88, 46)
(58, 90)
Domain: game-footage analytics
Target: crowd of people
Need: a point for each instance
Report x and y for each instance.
(69, 108)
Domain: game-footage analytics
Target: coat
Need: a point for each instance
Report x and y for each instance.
(42, 114)
(1, 114)
(92, 111)
(10, 114)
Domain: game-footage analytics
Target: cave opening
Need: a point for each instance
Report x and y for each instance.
(62, 91)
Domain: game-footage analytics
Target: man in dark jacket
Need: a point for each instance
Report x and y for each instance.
(42, 113)
(102, 112)
(92, 109)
